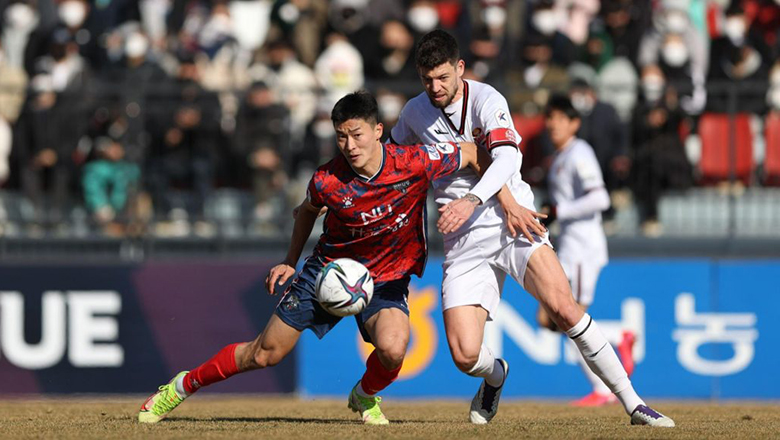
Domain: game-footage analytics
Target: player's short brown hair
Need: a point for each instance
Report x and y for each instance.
(436, 48)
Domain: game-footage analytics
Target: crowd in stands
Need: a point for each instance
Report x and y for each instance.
(120, 106)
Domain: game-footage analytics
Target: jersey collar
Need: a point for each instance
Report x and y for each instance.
(464, 106)
(378, 172)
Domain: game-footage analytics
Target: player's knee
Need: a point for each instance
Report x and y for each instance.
(392, 353)
(264, 358)
(465, 360)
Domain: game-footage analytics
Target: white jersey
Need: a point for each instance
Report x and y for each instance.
(573, 173)
(470, 119)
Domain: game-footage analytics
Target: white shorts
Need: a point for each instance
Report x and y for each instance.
(476, 263)
(583, 276)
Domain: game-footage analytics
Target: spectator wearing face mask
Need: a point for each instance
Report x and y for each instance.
(48, 131)
(674, 44)
(422, 17)
(546, 21)
(19, 21)
(578, 16)
(303, 23)
(183, 153)
(339, 69)
(261, 146)
(660, 163)
(490, 40)
(294, 84)
(351, 18)
(72, 22)
(140, 85)
(393, 60)
(740, 56)
(605, 132)
(539, 77)
(618, 31)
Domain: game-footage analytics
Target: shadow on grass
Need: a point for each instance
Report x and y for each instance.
(292, 420)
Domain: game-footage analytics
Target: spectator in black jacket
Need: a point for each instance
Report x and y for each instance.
(738, 57)
(602, 128)
(660, 162)
(260, 143)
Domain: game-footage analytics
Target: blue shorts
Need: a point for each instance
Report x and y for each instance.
(300, 309)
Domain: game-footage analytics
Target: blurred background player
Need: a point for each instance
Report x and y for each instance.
(579, 196)
(390, 182)
(478, 258)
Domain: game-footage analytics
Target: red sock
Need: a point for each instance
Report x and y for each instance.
(377, 377)
(216, 369)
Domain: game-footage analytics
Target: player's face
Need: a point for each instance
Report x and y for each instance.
(561, 128)
(442, 83)
(359, 142)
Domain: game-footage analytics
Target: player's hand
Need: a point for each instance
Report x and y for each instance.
(278, 275)
(454, 214)
(523, 220)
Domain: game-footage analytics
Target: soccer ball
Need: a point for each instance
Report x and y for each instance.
(344, 287)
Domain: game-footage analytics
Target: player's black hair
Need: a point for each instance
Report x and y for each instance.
(436, 48)
(562, 103)
(356, 105)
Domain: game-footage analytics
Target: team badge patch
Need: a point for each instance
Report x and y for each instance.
(445, 147)
(503, 119)
(433, 153)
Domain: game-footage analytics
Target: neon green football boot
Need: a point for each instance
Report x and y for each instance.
(161, 403)
(368, 407)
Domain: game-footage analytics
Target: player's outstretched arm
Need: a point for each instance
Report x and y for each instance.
(518, 218)
(455, 213)
(304, 223)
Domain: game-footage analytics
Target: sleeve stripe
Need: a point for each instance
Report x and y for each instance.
(502, 144)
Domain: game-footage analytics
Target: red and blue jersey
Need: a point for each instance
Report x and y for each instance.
(380, 221)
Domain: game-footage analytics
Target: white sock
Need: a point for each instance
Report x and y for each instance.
(360, 392)
(596, 383)
(496, 378)
(488, 367)
(179, 387)
(603, 361)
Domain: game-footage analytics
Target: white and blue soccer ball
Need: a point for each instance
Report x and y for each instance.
(344, 287)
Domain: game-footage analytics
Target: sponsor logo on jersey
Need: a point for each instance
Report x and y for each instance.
(347, 202)
(291, 302)
(376, 213)
(503, 119)
(433, 153)
(440, 132)
(402, 186)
